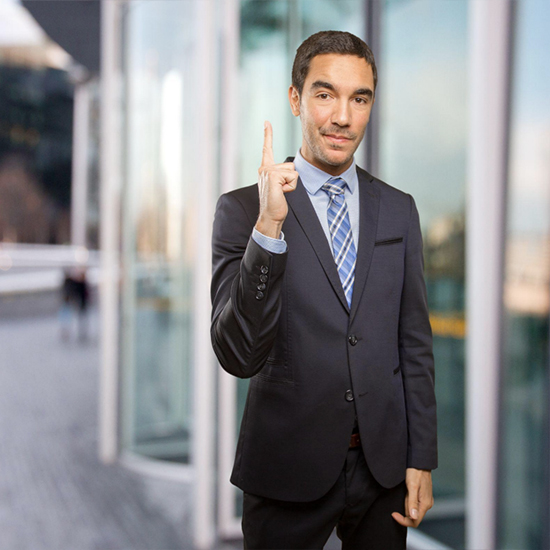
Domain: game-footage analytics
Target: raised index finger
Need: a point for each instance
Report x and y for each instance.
(267, 154)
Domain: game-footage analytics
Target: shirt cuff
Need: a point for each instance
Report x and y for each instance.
(275, 246)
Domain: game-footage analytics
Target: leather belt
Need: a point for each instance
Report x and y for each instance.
(355, 441)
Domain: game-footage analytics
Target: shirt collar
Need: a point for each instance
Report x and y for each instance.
(314, 178)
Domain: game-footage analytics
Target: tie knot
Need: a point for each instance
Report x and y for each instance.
(334, 186)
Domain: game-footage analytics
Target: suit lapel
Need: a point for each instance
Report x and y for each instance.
(301, 205)
(369, 202)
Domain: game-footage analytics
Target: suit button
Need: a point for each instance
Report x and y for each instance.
(264, 269)
(259, 295)
(349, 395)
(353, 340)
(263, 278)
(261, 286)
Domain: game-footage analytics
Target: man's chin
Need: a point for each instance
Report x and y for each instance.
(337, 158)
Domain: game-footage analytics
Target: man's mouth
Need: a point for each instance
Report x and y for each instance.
(337, 138)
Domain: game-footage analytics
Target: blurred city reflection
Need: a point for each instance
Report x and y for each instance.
(524, 446)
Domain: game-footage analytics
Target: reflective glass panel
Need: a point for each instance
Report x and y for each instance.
(523, 472)
(158, 225)
(422, 101)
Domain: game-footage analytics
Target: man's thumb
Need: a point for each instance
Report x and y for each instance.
(413, 507)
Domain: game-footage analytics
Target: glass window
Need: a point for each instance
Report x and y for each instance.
(523, 472)
(422, 101)
(158, 222)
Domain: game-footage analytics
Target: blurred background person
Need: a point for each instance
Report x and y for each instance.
(65, 310)
(82, 299)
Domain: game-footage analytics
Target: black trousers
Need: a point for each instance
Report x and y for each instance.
(357, 505)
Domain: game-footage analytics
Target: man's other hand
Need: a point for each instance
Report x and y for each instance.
(419, 497)
(274, 181)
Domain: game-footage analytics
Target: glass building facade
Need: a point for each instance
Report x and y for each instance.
(524, 457)
(418, 142)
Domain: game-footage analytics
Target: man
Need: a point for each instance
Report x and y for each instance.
(319, 298)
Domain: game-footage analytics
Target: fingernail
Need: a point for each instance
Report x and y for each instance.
(414, 513)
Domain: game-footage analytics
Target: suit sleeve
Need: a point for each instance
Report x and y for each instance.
(416, 355)
(246, 291)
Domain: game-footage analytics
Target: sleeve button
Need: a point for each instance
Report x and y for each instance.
(264, 269)
(259, 295)
(261, 286)
(263, 278)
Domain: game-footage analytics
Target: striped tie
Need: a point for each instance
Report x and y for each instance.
(343, 247)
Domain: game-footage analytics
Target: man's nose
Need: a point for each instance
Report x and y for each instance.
(341, 114)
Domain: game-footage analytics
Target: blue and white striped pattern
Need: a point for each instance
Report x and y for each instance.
(343, 247)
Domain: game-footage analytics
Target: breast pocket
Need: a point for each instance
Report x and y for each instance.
(387, 269)
(385, 242)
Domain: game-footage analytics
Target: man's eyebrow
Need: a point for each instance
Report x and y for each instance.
(322, 84)
(364, 91)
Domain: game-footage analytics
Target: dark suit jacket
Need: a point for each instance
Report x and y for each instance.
(315, 366)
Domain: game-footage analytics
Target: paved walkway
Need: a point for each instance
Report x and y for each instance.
(54, 492)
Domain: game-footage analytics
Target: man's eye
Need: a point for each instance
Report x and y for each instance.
(323, 96)
(360, 100)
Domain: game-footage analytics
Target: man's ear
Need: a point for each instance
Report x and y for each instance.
(294, 99)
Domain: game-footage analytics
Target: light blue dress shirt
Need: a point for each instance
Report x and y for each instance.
(313, 179)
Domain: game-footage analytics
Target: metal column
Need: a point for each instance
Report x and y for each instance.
(489, 62)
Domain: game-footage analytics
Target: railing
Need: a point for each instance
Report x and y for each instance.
(40, 267)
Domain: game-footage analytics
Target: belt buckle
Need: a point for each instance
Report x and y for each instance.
(355, 441)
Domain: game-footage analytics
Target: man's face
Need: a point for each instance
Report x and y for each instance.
(334, 109)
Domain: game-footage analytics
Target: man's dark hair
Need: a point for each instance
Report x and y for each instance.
(324, 42)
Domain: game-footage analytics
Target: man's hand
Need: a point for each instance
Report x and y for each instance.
(274, 181)
(419, 497)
